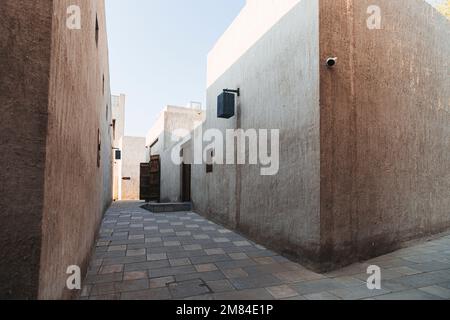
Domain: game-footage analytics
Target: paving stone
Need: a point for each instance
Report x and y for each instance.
(189, 288)
(235, 273)
(413, 294)
(233, 264)
(166, 231)
(172, 271)
(316, 286)
(117, 248)
(252, 282)
(242, 243)
(179, 262)
(239, 256)
(321, 296)
(423, 279)
(358, 293)
(192, 247)
(111, 269)
(205, 276)
(349, 281)
(136, 237)
(432, 266)
(132, 285)
(153, 240)
(265, 268)
(244, 295)
(183, 234)
(265, 260)
(156, 256)
(406, 270)
(161, 282)
(282, 292)
(150, 294)
(144, 266)
(205, 267)
(172, 243)
(135, 275)
(186, 254)
(211, 252)
(438, 291)
(108, 297)
(201, 237)
(298, 276)
(218, 286)
(102, 289)
(137, 252)
(209, 259)
(105, 278)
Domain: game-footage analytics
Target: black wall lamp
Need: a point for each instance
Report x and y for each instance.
(226, 103)
(117, 154)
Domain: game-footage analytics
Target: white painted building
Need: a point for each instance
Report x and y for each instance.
(133, 154)
(172, 124)
(118, 132)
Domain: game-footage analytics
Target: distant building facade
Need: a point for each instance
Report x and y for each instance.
(118, 133)
(174, 123)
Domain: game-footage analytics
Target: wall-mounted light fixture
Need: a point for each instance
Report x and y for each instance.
(226, 103)
(117, 154)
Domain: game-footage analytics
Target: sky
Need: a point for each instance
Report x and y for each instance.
(158, 51)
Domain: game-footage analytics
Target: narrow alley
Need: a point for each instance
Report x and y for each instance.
(146, 256)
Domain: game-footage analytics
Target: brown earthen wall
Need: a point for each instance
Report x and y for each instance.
(77, 189)
(385, 127)
(25, 42)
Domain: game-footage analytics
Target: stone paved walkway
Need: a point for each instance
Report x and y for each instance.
(141, 255)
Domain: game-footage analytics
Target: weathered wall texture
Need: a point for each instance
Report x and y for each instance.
(77, 183)
(385, 127)
(56, 181)
(279, 81)
(134, 152)
(25, 29)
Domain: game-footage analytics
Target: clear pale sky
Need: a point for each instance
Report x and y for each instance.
(158, 50)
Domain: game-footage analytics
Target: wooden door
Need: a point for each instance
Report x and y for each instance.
(150, 182)
(186, 182)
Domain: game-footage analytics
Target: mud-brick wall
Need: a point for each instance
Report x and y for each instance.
(25, 29)
(77, 170)
(385, 127)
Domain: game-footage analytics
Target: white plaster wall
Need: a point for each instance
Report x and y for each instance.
(255, 20)
(134, 153)
(171, 119)
(271, 52)
(118, 114)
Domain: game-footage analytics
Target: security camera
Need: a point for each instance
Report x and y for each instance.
(331, 62)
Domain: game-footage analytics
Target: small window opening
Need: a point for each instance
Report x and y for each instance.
(114, 129)
(97, 29)
(99, 148)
